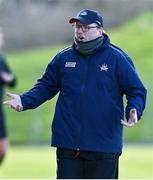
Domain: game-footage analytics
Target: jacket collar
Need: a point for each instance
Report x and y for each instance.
(106, 43)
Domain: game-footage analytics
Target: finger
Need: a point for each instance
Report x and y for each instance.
(10, 95)
(131, 125)
(8, 103)
(133, 120)
(124, 123)
(127, 124)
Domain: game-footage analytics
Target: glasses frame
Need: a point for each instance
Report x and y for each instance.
(85, 28)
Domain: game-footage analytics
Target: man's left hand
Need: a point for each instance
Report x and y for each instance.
(133, 119)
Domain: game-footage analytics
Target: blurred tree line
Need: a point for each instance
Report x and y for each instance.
(31, 23)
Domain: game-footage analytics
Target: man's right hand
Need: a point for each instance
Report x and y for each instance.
(14, 103)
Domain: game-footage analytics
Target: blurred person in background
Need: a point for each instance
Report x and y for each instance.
(6, 79)
(91, 77)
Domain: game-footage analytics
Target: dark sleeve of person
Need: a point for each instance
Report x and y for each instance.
(3, 132)
(45, 88)
(5, 68)
(131, 86)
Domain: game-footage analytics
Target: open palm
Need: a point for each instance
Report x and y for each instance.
(15, 102)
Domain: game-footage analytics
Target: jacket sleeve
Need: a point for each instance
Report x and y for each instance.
(45, 88)
(5, 68)
(131, 85)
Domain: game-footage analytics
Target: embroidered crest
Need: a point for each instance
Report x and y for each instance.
(104, 67)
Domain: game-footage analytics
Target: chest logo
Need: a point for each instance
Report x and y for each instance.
(104, 67)
(70, 64)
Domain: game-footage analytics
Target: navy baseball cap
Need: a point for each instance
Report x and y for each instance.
(87, 16)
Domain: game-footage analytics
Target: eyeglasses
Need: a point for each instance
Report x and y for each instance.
(85, 28)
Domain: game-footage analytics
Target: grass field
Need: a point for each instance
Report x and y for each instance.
(38, 162)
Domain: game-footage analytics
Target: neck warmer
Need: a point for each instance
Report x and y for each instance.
(89, 47)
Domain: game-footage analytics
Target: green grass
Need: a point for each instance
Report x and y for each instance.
(29, 162)
(33, 126)
(39, 162)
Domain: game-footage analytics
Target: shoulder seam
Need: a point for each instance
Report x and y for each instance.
(65, 49)
(118, 50)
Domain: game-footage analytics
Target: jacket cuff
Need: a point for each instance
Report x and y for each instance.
(23, 103)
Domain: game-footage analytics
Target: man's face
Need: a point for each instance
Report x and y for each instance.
(84, 33)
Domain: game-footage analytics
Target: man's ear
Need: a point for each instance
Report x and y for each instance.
(103, 32)
(100, 30)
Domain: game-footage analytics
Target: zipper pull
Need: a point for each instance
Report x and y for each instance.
(77, 153)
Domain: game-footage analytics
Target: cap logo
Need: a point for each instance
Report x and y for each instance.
(98, 22)
(83, 13)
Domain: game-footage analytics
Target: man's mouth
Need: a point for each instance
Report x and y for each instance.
(80, 38)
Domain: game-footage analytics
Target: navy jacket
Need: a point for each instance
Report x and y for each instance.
(3, 68)
(90, 103)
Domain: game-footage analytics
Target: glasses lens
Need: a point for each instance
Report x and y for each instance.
(84, 28)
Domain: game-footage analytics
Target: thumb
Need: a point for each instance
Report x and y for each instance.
(133, 115)
(133, 112)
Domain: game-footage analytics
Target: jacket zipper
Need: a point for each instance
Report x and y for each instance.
(81, 99)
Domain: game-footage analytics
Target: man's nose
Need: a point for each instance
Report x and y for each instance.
(79, 30)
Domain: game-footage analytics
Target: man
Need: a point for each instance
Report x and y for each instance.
(91, 77)
(6, 79)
